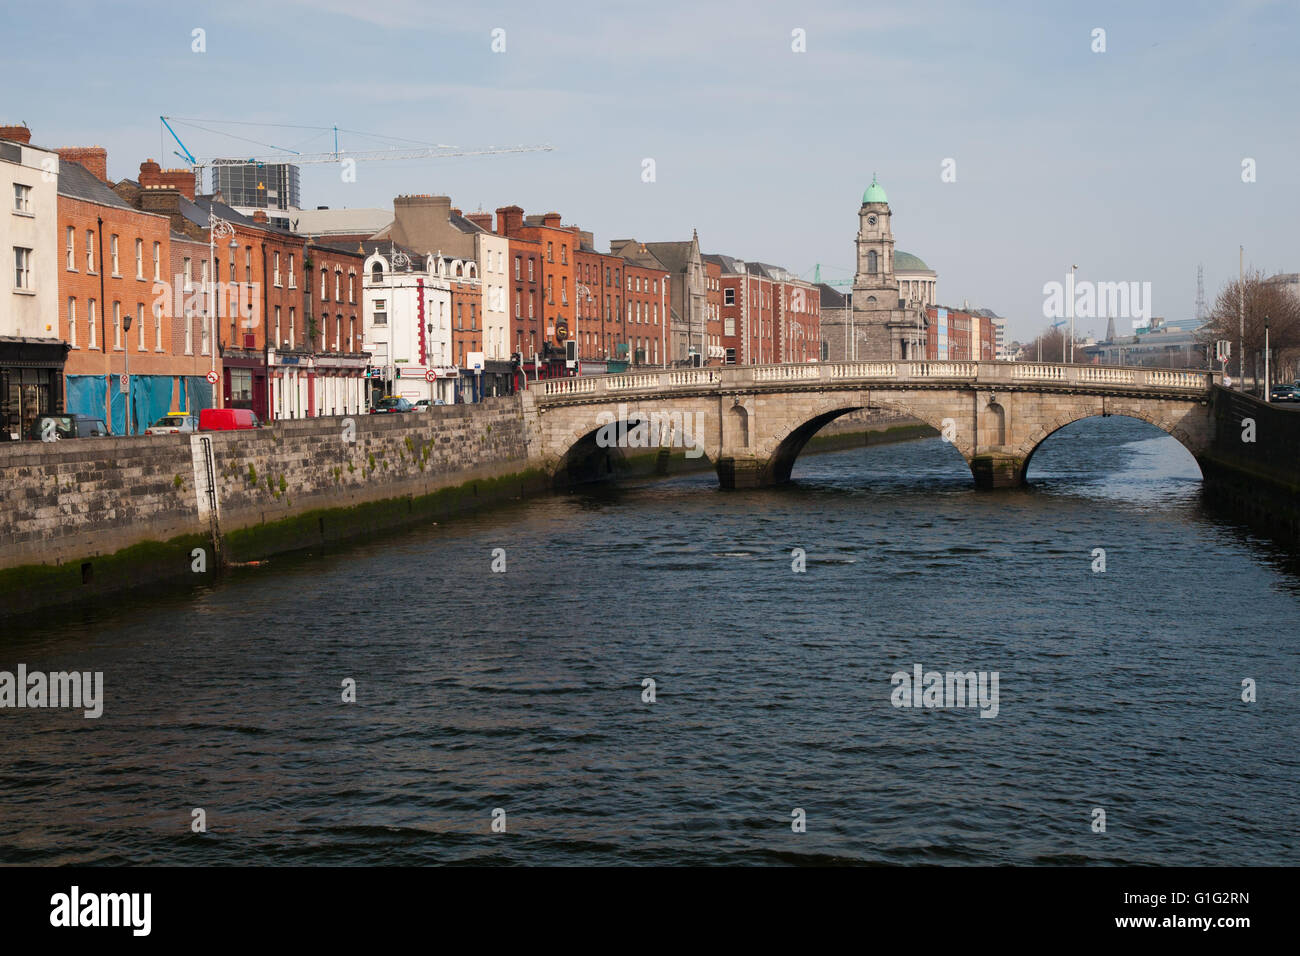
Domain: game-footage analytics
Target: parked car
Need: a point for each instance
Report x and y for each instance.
(174, 423)
(67, 426)
(227, 419)
(391, 404)
(423, 405)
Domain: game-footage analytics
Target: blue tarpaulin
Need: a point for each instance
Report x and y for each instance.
(85, 395)
(198, 393)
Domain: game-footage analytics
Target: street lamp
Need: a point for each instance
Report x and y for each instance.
(1071, 305)
(126, 329)
(216, 227)
(579, 290)
(1267, 380)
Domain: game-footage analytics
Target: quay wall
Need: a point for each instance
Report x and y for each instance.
(94, 516)
(1256, 481)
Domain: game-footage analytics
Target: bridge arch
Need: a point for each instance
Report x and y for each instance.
(612, 441)
(1189, 424)
(786, 447)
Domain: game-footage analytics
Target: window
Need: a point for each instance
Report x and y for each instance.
(530, 269)
(352, 331)
(90, 250)
(139, 258)
(293, 322)
(516, 267)
(278, 340)
(460, 315)
(324, 285)
(22, 267)
(352, 296)
(728, 296)
(203, 340)
(377, 273)
(90, 325)
(381, 312)
(188, 273)
(22, 198)
(517, 295)
(157, 262)
(72, 249)
(550, 253)
(293, 276)
(117, 325)
(189, 329)
(564, 254)
(871, 262)
(248, 265)
(338, 285)
(112, 252)
(275, 270)
(72, 321)
(203, 272)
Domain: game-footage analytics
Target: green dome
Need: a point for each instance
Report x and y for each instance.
(906, 262)
(874, 193)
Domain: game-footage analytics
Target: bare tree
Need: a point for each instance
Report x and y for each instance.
(1251, 300)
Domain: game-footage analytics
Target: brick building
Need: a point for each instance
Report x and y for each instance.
(115, 271)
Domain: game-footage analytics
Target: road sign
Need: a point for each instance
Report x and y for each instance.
(211, 377)
(123, 383)
(430, 375)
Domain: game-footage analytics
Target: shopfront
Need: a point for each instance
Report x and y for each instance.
(31, 382)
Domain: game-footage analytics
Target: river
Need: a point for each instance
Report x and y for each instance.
(522, 691)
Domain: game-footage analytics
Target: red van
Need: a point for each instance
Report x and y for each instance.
(226, 419)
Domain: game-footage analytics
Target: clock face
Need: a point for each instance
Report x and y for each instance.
(871, 220)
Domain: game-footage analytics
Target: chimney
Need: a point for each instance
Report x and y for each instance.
(182, 180)
(481, 219)
(551, 219)
(510, 219)
(260, 217)
(94, 158)
(455, 211)
(16, 134)
(587, 239)
(165, 200)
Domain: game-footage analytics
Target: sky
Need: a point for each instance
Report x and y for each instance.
(1126, 162)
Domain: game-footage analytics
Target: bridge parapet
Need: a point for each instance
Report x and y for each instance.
(986, 375)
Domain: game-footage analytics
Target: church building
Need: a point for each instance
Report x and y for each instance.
(891, 292)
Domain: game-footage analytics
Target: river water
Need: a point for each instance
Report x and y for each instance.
(523, 691)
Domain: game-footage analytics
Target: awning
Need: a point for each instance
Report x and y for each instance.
(16, 352)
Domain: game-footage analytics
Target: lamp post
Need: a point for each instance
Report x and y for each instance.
(217, 227)
(1071, 305)
(126, 355)
(1267, 380)
(396, 258)
(579, 290)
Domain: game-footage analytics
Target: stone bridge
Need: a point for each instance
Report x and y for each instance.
(752, 421)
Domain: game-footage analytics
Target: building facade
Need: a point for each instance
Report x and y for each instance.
(32, 354)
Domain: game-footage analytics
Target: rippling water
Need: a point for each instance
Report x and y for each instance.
(522, 690)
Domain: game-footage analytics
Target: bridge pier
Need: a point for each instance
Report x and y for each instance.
(743, 473)
(997, 470)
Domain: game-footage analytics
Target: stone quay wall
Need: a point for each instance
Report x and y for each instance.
(90, 516)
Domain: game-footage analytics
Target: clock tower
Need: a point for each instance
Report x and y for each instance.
(885, 326)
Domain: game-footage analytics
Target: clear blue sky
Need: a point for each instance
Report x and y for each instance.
(1127, 162)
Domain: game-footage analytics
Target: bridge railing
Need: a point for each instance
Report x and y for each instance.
(975, 374)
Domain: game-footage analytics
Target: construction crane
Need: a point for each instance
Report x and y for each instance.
(833, 283)
(425, 151)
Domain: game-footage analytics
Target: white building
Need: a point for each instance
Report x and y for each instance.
(492, 252)
(407, 321)
(31, 352)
